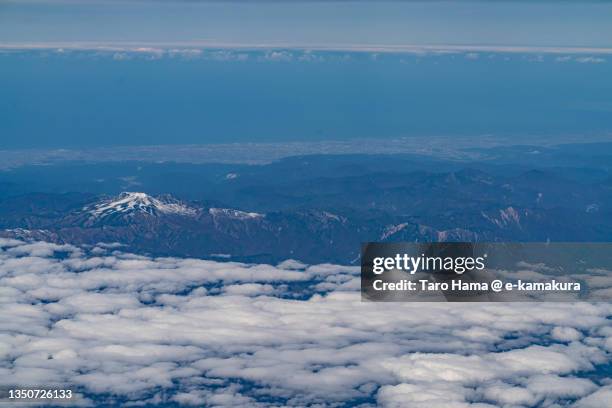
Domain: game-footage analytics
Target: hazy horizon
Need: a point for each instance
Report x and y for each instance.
(79, 74)
(539, 23)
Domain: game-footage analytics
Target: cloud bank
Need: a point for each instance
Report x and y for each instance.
(271, 47)
(129, 329)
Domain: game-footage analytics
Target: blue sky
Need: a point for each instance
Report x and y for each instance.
(464, 22)
(175, 72)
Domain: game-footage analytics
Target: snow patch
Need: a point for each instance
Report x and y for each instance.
(510, 215)
(507, 217)
(392, 230)
(591, 208)
(139, 202)
(231, 213)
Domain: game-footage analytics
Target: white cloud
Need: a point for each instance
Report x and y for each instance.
(425, 396)
(279, 55)
(207, 333)
(565, 334)
(598, 399)
(581, 59)
(509, 395)
(590, 60)
(153, 48)
(552, 386)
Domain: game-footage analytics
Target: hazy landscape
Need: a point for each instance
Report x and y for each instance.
(316, 208)
(185, 188)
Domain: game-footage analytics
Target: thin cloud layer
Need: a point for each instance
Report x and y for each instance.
(131, 329)
(226, 52)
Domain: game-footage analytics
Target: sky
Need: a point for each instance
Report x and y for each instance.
(78, 74)
(539, 23)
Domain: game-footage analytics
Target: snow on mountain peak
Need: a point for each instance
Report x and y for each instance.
(231, 213)
(129, 202)
(507, 217)
(392, 230)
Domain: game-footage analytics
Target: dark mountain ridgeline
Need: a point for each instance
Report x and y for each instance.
(331, 216)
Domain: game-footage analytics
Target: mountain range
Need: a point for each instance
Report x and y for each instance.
(164, 225)
(317, 208)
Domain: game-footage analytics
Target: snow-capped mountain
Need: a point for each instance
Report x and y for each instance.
(328, 226)
(164, 225)
(134, 203)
